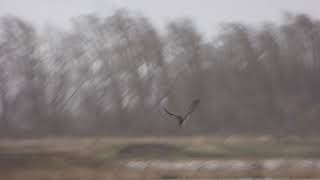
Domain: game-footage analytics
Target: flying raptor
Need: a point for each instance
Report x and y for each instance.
(181, 118)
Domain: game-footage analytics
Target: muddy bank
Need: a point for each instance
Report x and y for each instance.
(293, 168)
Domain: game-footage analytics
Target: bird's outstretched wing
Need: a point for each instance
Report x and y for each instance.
(171, 114)
(193, 106)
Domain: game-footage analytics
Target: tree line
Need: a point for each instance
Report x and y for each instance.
(113, 75)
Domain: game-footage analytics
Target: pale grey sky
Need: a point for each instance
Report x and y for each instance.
(206, 13)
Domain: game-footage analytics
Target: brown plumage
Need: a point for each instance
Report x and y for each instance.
(180, 118)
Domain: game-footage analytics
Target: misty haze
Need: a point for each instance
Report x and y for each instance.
(131, 94)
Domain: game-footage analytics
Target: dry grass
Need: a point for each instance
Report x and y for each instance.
(77, 173)
(86, 158)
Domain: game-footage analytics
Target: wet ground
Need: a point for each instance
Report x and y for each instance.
(211, 165)
(294, 168)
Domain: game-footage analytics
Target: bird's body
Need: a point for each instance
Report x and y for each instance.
(180, 118)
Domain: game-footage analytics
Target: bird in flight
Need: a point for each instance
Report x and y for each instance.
(180, 118)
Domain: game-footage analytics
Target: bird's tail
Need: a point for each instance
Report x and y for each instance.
(180, 123)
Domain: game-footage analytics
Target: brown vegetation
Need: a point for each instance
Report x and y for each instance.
(108, 158)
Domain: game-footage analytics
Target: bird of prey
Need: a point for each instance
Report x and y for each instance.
(180, 118)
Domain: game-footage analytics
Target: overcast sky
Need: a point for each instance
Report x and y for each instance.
(207, 14)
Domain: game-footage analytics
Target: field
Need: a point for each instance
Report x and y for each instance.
(159, 158)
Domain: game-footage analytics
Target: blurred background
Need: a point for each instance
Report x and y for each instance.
(110, 74)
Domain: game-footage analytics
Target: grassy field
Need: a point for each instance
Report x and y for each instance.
(105, 158)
